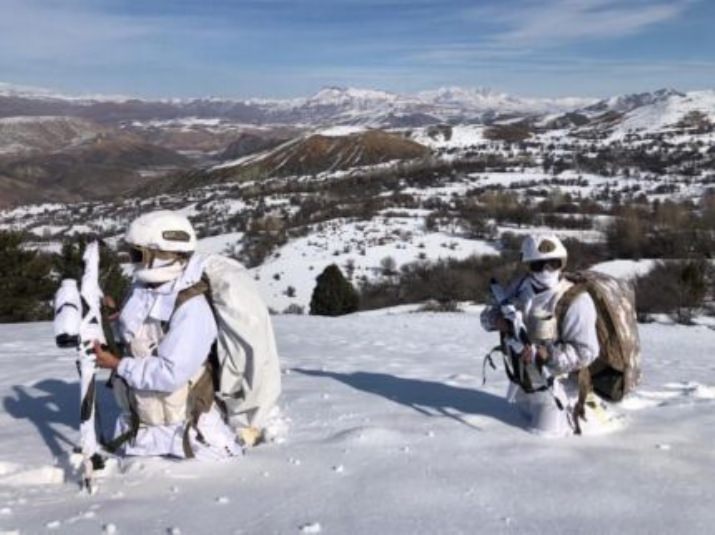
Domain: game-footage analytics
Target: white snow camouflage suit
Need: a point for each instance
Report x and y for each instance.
(169, 346)
(576, 347)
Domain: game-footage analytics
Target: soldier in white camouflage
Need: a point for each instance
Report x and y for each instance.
(580, 326)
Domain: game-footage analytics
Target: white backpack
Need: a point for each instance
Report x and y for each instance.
(247, 383)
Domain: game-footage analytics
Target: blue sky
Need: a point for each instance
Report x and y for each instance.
(284, 48)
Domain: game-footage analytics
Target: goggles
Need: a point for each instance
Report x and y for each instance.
(136, 254)
(144, 256)
(538, 266)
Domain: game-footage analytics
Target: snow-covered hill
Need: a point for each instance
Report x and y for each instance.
(670, 114)
(662, 112)
(390, 432)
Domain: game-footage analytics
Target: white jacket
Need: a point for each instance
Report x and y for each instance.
(577, 345)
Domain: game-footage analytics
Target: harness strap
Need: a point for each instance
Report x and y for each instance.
(584, 389)
(130, 434)
(584, 374)
(200, 400)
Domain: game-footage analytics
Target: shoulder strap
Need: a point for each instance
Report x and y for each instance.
(584, 374)
(567, 300)
(200, 288)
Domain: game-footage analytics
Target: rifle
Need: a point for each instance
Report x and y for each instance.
(78, 324)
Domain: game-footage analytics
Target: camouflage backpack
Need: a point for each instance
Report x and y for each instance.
(616, 371)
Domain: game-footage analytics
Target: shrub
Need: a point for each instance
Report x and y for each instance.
(294, 308)
(435, 306)
(678, 289)
(444, 281)
(26, 285)
(333, 294)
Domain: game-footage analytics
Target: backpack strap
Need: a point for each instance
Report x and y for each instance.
(584, 374)
(184, 295)
(200, 288)
(200, 400)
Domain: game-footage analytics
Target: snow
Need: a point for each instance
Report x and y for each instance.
(625, 269)
(341, 131)
(219, 244)
(461, 136)
(391, 432)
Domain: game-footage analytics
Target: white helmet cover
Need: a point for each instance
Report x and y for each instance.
(548, 247)
(163, 230)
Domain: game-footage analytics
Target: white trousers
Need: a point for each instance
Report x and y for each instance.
(541, 410)
(218, 440)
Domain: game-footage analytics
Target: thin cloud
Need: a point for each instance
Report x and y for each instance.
(557, 22)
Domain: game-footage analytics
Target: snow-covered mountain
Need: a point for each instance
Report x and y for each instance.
(626, 103)
(332, 105)
(366, 107)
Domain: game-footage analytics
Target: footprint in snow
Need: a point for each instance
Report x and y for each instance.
(313, 527)
(673, 394)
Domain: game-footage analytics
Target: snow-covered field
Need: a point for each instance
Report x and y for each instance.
(358, 249)
(390, 432)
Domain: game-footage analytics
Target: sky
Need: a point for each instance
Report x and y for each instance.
(290, 48)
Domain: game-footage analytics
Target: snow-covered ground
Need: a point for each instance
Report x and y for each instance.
(626, 269)
(390, 432)
(358, 249)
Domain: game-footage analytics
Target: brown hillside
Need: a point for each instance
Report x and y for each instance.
(309, 155)
(103, 168)
(317, 154)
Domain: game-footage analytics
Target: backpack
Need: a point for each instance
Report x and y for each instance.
(244, 361)
(616, 371)
(248, 375)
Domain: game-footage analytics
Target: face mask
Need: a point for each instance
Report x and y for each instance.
(547, 279)
(161, 271)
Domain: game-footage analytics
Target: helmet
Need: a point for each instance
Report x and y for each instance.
(549, 247)
(163, 230)
(160, 242)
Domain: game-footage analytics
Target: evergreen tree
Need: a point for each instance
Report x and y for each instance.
(333, 294)
(26, 285)
(112, 280)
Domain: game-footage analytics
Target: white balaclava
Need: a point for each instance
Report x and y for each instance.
(544, 249)
(547, 278)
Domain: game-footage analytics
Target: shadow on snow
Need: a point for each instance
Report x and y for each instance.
(428, 397)
(52, 405)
